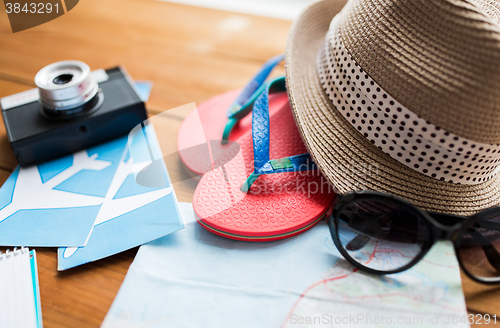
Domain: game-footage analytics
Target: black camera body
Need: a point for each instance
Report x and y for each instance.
(38, 132)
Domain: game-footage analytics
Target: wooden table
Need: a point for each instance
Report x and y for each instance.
(191, 54)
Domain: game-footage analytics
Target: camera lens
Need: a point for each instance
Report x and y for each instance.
(67, 89)
(63, 79)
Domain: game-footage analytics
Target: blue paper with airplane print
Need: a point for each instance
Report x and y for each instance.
(109, 198)
(39, 208)
(91, 198)
(56, 203)
(138, 206)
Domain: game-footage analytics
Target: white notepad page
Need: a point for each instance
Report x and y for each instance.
(17, 297)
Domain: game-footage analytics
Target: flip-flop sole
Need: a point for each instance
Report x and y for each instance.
(207, 123)
(257, 238)
(278, 205)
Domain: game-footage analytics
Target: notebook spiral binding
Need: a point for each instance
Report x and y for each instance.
(8, 253)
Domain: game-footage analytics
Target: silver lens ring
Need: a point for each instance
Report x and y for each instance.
(65, 85)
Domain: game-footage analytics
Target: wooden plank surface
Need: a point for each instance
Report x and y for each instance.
(191, 54)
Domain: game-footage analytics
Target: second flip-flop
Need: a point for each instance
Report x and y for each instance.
(222, 118)
(271, 189)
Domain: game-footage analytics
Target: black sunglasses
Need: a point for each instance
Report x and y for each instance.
(384, 234)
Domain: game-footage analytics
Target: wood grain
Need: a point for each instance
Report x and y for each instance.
(191, 54)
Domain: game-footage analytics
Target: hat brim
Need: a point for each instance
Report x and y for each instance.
(347, 159)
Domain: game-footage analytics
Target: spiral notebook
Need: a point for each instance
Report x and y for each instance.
(19, 292)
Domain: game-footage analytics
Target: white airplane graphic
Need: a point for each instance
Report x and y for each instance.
(31, 193)
(113, 208)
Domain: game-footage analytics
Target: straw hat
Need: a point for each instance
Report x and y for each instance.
(401, 96)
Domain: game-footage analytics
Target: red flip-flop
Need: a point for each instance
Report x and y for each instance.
(254, 198)
(224, 117)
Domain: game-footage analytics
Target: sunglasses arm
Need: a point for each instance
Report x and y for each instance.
(450, 219)
(489, 224)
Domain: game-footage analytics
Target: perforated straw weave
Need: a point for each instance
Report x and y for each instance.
(439, 58)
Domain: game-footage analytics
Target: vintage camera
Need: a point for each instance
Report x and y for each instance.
(72, 109)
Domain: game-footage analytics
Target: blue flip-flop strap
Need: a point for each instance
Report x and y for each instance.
(242, 106)
(261, 143)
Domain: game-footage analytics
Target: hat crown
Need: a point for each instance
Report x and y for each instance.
(439, 58)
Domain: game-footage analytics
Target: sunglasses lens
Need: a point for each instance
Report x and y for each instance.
(381, 234)
(478, 247)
